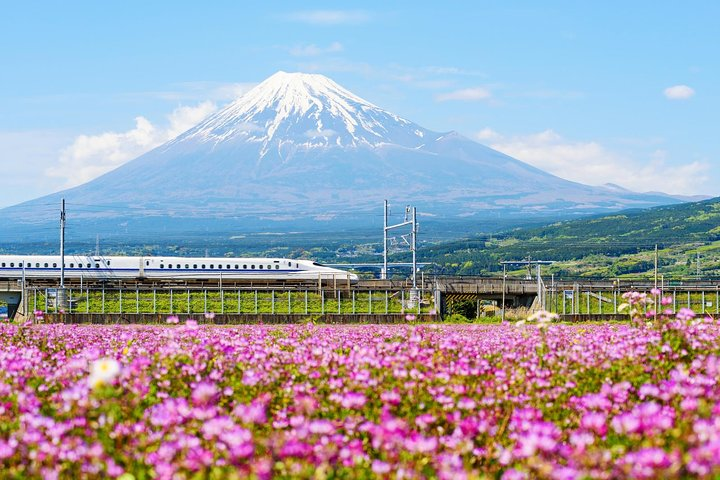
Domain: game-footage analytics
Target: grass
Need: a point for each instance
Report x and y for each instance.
(227, 302)
(706, 302)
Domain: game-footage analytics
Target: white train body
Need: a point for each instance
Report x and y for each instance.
(168, 268)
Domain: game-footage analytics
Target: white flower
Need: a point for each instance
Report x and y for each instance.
(543, 316)
(103, 371)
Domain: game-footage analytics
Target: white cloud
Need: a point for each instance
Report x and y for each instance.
(487, 134)
(477, 93)
(593, 164)
(330, 17)
(90, 156)
(313, 50)
(679, 92)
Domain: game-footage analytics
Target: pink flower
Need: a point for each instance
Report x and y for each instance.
(595, 421)
(380, 467)
(353, 400)
(685, 314)
(250, 378)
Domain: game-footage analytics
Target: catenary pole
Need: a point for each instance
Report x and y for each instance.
(383, 275)
(62, 245)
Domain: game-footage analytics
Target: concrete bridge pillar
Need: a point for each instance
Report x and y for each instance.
(13, 301)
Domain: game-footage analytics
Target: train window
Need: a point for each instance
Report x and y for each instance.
(37, 265)
(54, 265)
(187, 266)
(88, 265)
(277, 267)
(72, 265)
(237, 266)
(252, 267)
(162, 266)
(244, 267)
(260, 267)
(178, 265)
(147, 263)
(97, 265)
(3, 264)
(269, 267)
(12, 264)
(227, 266)
(169, 265)
(108, 263)
(46, 265)
(212, 266)
(203, 266)
(20, 264)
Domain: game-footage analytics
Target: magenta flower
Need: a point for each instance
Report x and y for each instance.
(204, 393)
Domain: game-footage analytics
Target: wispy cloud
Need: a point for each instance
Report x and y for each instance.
(313, 50)
(471, 94)
(92, 155)
(592, 163)
(330, 17)
(679, 92)
(454, 71)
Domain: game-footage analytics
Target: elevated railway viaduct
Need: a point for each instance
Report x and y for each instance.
(368, 300)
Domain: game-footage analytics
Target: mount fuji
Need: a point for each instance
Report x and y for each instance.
(301, 148)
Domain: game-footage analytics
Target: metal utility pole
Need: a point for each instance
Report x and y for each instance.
(698, 264)
(413, 240)
(414, 247)
(539, 288)
(62, 244)
(502, 310)
(61, 293)
(383, 274)
(656, 266)
(656, 299)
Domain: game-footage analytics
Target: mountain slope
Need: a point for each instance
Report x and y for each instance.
(606, 246)
(299, 147)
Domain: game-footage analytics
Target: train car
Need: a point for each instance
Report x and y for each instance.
(168, 268)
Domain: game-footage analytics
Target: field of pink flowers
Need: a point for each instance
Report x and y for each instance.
(539, 400)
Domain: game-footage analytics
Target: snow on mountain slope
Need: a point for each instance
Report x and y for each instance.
(306, 109)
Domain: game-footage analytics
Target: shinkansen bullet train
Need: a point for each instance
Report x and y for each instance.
(168, 268)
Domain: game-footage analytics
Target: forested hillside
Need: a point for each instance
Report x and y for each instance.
(616, 245)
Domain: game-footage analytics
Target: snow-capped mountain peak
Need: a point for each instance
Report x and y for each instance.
(308, 110)
(299, 147)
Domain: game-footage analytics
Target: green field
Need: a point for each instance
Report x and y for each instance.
(181, 301)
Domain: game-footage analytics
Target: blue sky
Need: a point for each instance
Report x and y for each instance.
(597, 92)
